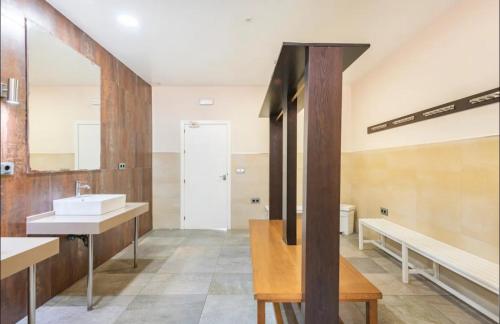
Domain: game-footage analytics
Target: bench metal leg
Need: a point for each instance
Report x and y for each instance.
(261, 312)
(371, 312)
(90, 275)
(32, 294)
(404, 259)
(277, 313)
(136, 239)
(360, 235)
(435, 268)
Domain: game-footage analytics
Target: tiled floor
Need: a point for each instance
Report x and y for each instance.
(205, 277)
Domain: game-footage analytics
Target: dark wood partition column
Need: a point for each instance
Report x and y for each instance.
(275, 167)
(320, 222)
(290, 173)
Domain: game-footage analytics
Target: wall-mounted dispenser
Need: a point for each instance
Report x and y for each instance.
(10, 90)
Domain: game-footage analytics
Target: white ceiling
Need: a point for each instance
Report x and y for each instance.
(181, 42)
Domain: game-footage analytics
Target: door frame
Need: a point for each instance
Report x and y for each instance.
(76, 141)
(182, 150)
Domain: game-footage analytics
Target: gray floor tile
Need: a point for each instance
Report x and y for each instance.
(127, 266)
(389, 264)
(198, 276)
(167, 240)
(106, 284)
(350, 314)
(147, 251)
(231, 284)
(204, 241)
(366, 265)
(235, 251)
(77, 315)
(178, 283)
(237, 240)
(167, 233)
(233, 309)
(234, 265)
(168, 309)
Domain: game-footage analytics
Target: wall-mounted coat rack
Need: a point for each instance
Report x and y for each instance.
(474, 101)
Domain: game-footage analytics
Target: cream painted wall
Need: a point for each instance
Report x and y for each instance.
(52, 113)
(454, 57)
(239, 105)
(249, 139)
(438, 177)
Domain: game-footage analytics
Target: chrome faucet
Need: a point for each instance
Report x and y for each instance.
(80, 185)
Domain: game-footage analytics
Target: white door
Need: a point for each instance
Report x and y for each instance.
(88, 146)
(205, 183)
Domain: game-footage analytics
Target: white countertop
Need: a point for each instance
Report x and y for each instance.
(50, 224)
(18, 253)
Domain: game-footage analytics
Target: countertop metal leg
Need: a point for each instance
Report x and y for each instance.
(32, 294)
(90, 275)
(136, 239)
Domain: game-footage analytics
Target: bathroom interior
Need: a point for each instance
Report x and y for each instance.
(250, 161)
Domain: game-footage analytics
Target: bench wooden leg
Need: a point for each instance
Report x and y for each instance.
(261, 312)
(277, 313)
(371, 312)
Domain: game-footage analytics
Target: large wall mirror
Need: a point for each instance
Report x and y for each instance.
(64, 105)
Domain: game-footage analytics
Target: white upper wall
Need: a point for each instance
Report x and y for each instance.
(239, 105)
(454, 57)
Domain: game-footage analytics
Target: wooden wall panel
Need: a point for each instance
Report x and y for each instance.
(126, 137)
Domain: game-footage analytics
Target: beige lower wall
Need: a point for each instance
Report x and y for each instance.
(52, 161)
(449, 191)
(252, 184)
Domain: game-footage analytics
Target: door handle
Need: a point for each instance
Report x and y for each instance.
(223, 177)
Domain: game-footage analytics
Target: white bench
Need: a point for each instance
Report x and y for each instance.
(478, 270)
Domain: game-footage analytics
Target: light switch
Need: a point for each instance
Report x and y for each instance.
(240, 171)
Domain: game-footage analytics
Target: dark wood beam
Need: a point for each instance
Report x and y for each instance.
(290, 172)
(320, 221)
(275, 167)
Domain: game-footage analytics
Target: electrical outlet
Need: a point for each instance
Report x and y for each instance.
(7, 168)
(122, 166)
(384, 211)
(255, 200)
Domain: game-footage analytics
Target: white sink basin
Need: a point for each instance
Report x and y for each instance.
(89, 204)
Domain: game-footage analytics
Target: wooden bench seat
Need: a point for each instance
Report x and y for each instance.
(277, 273)
(478, 270)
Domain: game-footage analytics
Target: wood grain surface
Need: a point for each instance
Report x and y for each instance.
(126, 134)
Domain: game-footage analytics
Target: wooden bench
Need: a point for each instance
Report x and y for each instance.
(277, 273)
(478, 270)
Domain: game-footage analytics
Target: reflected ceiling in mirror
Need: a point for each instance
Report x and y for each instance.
(64, 105)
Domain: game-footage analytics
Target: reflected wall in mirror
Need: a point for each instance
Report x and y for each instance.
(64, 105)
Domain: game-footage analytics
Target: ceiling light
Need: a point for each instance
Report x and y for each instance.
(128, 21)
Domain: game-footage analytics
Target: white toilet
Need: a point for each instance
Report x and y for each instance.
(347, 218)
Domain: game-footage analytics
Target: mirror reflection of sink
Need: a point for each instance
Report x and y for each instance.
(89, 204)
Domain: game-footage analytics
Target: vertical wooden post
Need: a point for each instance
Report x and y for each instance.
(320, 221)
(290, 172)
(275, 167)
